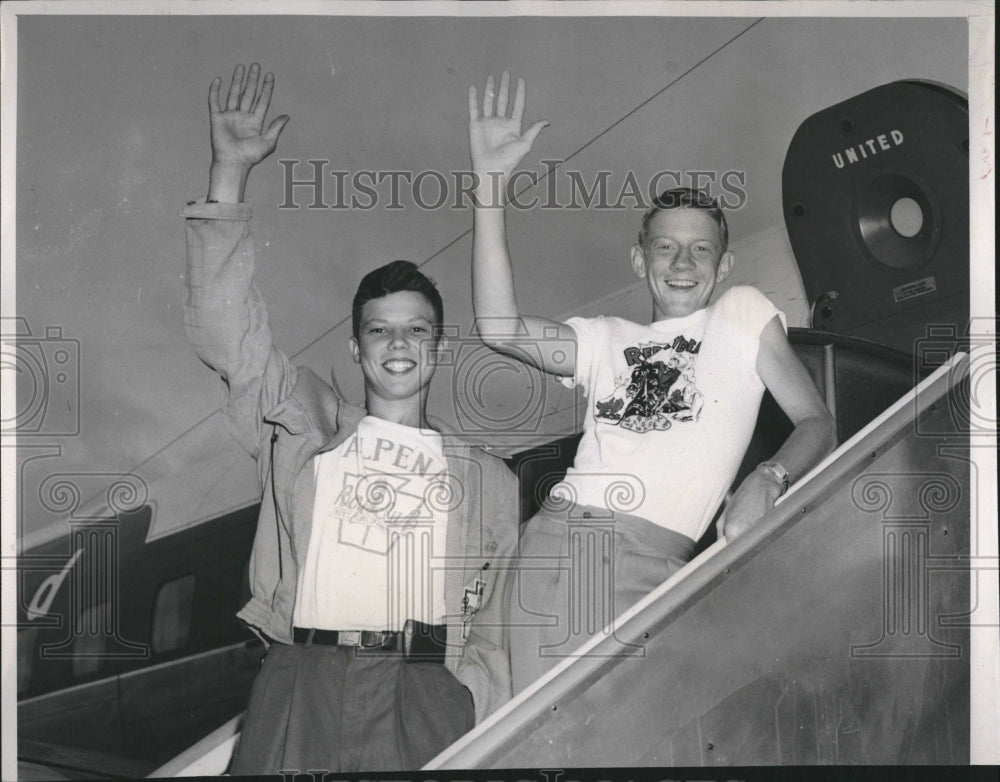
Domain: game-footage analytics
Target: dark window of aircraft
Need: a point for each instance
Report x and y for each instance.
(90, 641)
(26, 639)
(172, 614)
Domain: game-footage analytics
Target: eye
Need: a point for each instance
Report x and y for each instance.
(376, 330)
(419, 329)
(663, 245)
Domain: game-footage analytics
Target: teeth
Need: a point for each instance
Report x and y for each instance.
(399, 365)
(681, 283)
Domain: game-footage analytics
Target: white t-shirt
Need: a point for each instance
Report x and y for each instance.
(379, 519)
(671, 408)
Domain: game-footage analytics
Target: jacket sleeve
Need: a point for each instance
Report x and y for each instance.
(485, 664)
(226, 320)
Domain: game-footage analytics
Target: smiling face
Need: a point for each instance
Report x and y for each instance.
(682, 260)
(397, 352)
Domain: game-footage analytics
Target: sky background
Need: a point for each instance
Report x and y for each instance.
(112, 140)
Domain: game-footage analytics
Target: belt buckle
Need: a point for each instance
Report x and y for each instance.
(372, 639)
(349, 638)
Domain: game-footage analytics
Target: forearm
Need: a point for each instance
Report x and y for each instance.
(493, 298)
(535, 340)
(793, 389)
(219, 279)
(226, 320)
(227, 182)
(811, 440)
(496, 146)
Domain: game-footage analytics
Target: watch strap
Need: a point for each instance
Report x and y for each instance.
(778, 472)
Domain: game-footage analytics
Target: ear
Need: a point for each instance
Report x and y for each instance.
(355, 350)
(725, 266)
(638, 261)
(440, 347)
(435, 349)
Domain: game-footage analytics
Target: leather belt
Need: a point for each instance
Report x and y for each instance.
(419, 642)
(364, 639)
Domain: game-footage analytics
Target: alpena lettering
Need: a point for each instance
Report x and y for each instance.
(403, 457)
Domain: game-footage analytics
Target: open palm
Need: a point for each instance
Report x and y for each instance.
(238, 136)
(495, 140)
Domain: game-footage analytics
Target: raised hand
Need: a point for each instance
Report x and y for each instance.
(495, 140)
(239, 141)
(238, 137)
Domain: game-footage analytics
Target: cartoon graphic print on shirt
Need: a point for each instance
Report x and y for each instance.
(656, 388)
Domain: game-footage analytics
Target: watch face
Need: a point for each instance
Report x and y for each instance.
(778, 472)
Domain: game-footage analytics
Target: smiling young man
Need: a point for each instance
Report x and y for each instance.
(673, 403)
(371, 567)
(396, 315)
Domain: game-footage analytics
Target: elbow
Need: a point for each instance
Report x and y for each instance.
(819, 430)
(503, 345)
(495, 330)
(826, 432)
(491, 340)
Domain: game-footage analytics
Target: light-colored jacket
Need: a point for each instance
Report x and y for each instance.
(285, 415)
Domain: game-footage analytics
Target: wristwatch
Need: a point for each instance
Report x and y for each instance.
(778, 472)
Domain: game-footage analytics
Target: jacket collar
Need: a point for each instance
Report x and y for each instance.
(316, 410)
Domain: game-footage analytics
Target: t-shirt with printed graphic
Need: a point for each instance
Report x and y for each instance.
(380, 519)
(671, 407)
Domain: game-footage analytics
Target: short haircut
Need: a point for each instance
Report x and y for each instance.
(393, 278)
(686, 198)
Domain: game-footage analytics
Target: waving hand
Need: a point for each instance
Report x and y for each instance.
(237, 136)
(495, 140)
(239, 139)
